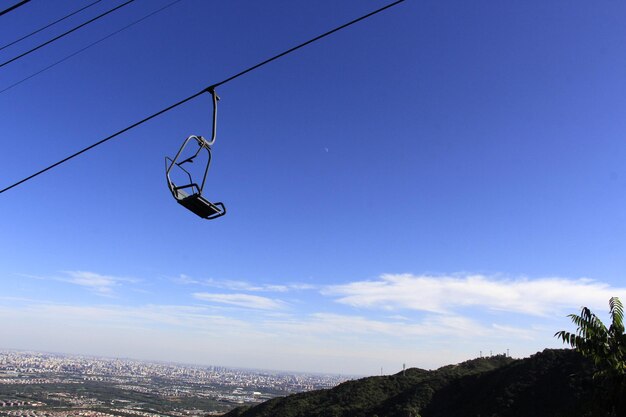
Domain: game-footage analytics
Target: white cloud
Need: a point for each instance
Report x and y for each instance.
(302, 286)
(445, 294)
(16, 299)
(246, 286)
(238, 285)
(97, 283)
(177, 316)
(241, 300)
(398, 317)
(339, 325)
(184, 279)
(520, 333)
(413, 317)
(271, 339)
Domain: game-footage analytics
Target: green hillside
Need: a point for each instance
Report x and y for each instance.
(551, 383)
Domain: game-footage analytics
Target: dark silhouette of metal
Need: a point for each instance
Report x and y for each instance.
(100, 142)
(15, 6)
(191, 97)
(190, 194)
(65, 34)
(288, 51)
(73, 54)
(48, 25)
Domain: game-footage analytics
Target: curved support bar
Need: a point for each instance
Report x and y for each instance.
(214, 130)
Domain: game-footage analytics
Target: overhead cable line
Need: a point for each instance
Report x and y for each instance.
(208, 89)
(65, 33)
(15, 6)
(48, 25)
(323, 35)
(88, 46)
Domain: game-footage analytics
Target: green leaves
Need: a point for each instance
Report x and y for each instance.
(606, 347)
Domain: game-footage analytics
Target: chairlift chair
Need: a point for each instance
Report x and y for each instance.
(190, 195)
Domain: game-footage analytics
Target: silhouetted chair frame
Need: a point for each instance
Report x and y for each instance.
(190, 195)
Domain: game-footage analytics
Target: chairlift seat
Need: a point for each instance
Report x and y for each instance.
(200, 205)
(195, 202)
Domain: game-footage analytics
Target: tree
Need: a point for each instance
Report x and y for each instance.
(606, 348)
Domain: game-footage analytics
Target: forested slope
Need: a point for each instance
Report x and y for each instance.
(551, 383)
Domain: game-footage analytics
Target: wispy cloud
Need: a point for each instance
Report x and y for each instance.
(241, 300)
(239, 285)
(207, 333)
(195, 317)
(246, 286)
(414, 316)
(185, 280)
(433, 326)
(97, 283)
(445, 294)
(16, 299)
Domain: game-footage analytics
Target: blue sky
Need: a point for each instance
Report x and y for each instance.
(442, 179)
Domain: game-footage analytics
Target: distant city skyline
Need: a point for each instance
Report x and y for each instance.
(49, 383)
(54, 362)
(39, 355)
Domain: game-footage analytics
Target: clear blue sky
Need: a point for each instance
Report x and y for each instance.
(442, 179)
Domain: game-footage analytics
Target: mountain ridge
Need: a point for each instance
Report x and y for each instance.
(551, 383)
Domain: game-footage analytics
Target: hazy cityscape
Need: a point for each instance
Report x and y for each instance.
(40, 384)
